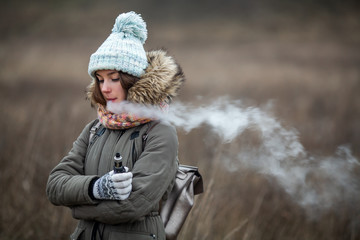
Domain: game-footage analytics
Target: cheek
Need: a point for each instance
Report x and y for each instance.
(121, 92)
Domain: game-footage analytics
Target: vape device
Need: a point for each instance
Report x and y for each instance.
(118, 167)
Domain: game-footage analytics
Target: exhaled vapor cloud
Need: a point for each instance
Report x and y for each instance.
(313, 182)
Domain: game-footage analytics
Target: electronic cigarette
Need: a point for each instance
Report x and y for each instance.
(118, 167)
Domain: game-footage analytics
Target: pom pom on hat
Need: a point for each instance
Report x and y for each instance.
(123, 50)
(131, 24)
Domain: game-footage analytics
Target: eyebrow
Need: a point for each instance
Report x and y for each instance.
(110, 73)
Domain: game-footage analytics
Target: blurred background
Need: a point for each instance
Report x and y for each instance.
(304, 56)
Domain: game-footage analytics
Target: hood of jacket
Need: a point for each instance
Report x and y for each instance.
(161, 82)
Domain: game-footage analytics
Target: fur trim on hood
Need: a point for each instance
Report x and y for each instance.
(161, 81)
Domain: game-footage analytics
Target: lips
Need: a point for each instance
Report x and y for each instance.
(111, 99)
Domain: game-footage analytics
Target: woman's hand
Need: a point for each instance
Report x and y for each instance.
(113, 186)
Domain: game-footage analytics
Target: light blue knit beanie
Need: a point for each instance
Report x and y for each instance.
(123, 50)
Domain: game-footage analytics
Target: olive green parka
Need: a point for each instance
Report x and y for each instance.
(153, 165)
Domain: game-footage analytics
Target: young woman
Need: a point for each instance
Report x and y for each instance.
(125, 205)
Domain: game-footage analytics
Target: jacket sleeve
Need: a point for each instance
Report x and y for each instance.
(67, 184)
(153, 173)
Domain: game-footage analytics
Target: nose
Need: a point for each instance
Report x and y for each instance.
(105, 88)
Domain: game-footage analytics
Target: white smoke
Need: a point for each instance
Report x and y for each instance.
(316, 183)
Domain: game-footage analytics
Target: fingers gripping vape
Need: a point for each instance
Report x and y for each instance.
(118, 167)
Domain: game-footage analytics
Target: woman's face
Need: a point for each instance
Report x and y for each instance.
(110, 86)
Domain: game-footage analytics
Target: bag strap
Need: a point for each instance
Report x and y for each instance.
(145, 135)
(94, 129)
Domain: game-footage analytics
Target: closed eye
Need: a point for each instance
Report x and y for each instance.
(115, 80)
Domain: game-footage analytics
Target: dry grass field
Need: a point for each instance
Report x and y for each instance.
(304, 59)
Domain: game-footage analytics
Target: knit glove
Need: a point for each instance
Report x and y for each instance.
(113, 186)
